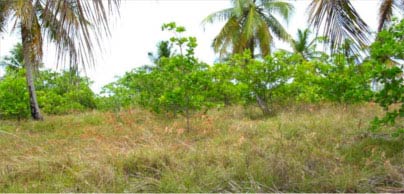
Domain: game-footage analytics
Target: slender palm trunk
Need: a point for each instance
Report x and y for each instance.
(29, 67)
(252, 48)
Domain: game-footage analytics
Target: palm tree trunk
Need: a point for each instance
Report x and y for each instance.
(27, 43)
(252, 48)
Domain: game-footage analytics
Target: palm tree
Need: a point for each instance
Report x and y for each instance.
(340, 21)
(15, 60)
(164, 50)
(250, 24)
(74, 26)
(303, 45)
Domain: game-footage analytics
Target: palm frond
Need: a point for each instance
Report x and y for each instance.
(339, 21)
(276, 27)
(249, 27)
(62, 35)
(226, 36)
(284, 9)
(218, 16)
(386, 12)
(301, 43)
(264, 39)
(4, 13)
(239, 6)
(77, 27)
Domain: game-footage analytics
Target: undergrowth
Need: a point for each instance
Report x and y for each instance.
(325, 148)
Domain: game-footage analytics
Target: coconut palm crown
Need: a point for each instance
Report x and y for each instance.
(250, 24)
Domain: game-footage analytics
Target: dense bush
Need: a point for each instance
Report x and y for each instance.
(263, 78)
(178, 83)
(344, 81)
(279, 78)
(14, 95)
(330, 78)
(225, 89)
(175, 85)
(387, 55)
(58, 93)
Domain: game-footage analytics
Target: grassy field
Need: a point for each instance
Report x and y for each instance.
(324, 148)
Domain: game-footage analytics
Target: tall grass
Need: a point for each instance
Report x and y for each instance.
(302, 149)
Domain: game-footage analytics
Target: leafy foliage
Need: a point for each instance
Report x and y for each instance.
(225, 89)
(344, 81)
(177, 84)
(263, 77)
(164, 49)
(13, 95)
(387, 53)
(58, 93)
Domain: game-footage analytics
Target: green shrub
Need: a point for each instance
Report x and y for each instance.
(387, 53)
(14, 96)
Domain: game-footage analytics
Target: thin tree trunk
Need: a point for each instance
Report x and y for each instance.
(226, 100)
(263, 105)
(29, 67)
(187, 114)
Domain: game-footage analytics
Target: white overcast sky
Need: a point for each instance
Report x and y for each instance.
(138, 29)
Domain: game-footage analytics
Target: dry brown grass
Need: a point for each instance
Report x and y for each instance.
(308, 148)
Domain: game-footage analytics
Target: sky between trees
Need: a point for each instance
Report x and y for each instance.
(138, 29)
